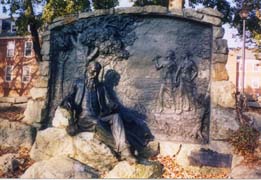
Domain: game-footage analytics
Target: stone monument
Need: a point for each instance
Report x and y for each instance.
(163, 72)
(165, 69)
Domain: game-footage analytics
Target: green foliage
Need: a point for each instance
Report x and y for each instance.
(105, 4)
(253, 23)
(56, 8)
(23, 9)
(244, 140)
(150, 2)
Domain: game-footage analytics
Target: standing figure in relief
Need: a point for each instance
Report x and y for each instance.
(186, 73)
(168, 66)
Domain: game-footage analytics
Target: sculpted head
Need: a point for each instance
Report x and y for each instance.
(93, 70)
(171, 55)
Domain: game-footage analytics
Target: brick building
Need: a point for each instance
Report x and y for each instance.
(252, 71)
(18, 66)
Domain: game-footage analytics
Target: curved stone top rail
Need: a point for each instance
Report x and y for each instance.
(204, 15)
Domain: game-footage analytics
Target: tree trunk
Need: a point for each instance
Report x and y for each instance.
(36, 42)
(34, 30)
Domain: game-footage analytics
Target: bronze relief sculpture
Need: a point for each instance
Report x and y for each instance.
(178, 82)
(145, 77)
(91, 104)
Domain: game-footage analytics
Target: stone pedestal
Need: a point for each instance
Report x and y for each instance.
(176, 4)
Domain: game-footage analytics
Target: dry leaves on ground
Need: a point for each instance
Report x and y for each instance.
(23, 159)
(173, 170)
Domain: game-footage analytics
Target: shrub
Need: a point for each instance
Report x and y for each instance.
(244, 140)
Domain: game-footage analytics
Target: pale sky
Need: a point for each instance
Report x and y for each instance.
(230, 33)
(125, 3)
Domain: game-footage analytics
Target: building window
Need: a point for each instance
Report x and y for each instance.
(6, 26)
(238, 58)
(255, 84)
(8, 73)
(26, 74)
(28, 48)
(10, 49)
(13, 27)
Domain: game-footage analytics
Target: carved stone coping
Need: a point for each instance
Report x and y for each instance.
(204, 15)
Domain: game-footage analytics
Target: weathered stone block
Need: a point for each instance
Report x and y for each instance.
(46, 36)
(16, 134)
(89, 150)
(219, 72)
(19, 100)
(38, 93)
(223, 122)
(212, 20)
(20, 105)
(44, 68)
(46, 57)
(176, 12)
(220, 46)
(102, 12)
(56, 24)
(60, 18)
(125, 170)
(61, 117)
(85, 15)
(211, 12)
(83, 147)
(6, 104)
(70, 18)
(223, 94)
(219, 58)
(45, 48)
(33, 111)
(218, 32)
(129, 10)
(52, 142)
(220, 146)
(193, 14)
(207, 157)
(155, 9)
(151, 150)
(59, 168)
(46, 33)
(7, 100)
(41, 82)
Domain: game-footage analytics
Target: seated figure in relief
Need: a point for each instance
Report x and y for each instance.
(92, 108)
